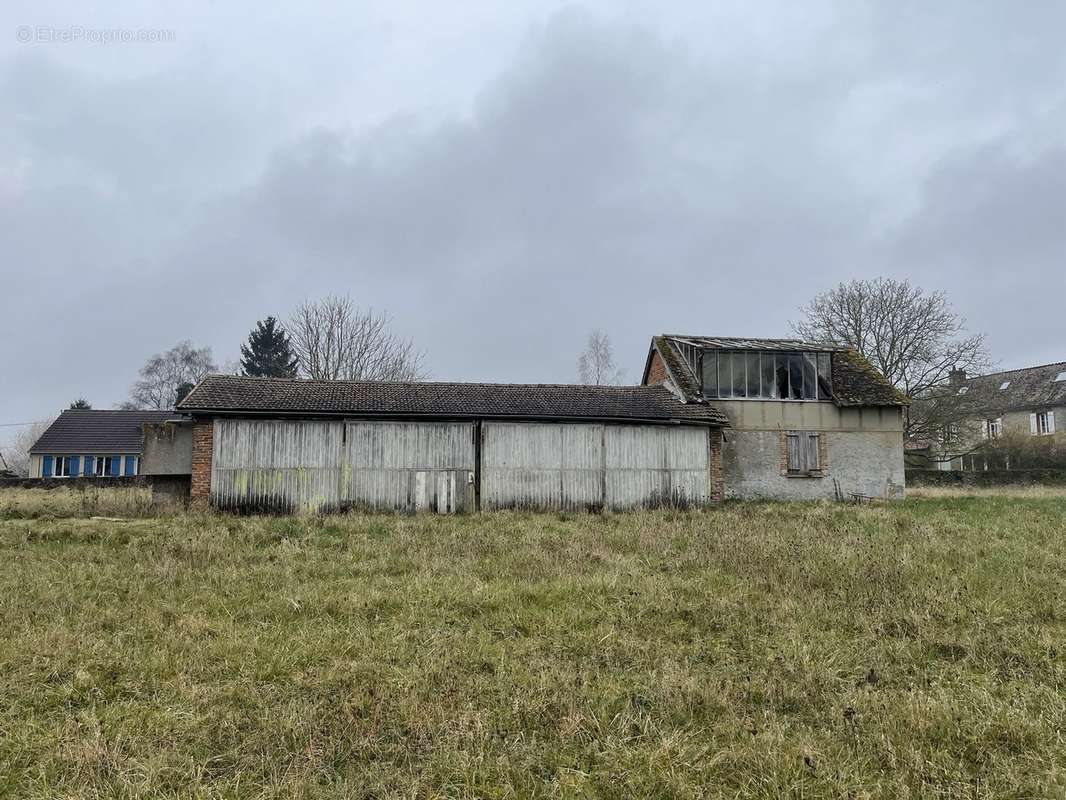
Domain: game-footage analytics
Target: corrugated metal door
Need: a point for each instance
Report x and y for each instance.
(410, 466)
(650, 466)
(277, 465)
(533, 465)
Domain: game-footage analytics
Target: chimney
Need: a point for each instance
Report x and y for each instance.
(957, 377)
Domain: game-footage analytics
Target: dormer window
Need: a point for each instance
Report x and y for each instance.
(766, 375)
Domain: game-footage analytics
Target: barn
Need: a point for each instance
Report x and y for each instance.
(276, 444)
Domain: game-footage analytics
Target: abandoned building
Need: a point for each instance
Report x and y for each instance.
(93, 443)
(292, 444)
(805, 420)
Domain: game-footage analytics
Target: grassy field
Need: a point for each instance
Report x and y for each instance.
(763, 650)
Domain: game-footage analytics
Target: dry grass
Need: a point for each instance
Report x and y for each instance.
(762, 650)
(78, 501)
(1018, 492)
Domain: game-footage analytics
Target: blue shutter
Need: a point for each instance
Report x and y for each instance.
(87, 466)
(75, 463)
(131, 465)
(116, 465)
(46, 467)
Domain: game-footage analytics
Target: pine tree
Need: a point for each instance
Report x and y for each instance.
(268, 353)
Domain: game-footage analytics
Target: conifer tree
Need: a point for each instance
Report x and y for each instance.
(268, 353)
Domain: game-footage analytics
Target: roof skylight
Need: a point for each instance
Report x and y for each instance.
(1004, 385)
(964, 389)
(1061, 376)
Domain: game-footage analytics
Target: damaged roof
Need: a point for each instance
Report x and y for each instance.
(855, 380)
(236, 394)
(91, 432)
(1018, 389)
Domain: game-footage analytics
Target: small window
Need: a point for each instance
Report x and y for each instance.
(948, 433)
(1043, 423)
(804, 454)
(993, 428)
(62, 467)
(106, 466)
(1004, 385)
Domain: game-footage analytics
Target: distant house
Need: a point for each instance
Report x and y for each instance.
(805, 420)
(1027, 404)
(93, 443)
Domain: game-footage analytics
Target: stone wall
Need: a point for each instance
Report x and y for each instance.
(855, 462)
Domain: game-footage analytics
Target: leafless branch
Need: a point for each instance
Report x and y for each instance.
(913, 337)
(595, 365)
(164, 373)
(335, 340)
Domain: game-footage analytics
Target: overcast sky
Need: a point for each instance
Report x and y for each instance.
(503, 179)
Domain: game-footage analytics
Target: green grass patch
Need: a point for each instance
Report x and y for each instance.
(758, 650)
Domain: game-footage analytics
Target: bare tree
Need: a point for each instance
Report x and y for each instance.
(17, 454)
(335, 340)
(595, 365)
(913, 338)
(164, 373)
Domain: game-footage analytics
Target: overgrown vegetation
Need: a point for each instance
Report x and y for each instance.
(764, 650)
(81, 500)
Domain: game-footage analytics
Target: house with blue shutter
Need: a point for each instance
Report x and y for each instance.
(92, 443)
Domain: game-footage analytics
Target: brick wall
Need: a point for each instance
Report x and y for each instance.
(203, 435)
(656, 370)
(717, 482)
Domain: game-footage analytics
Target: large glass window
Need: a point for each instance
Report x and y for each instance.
(710, 373)
(766, 375)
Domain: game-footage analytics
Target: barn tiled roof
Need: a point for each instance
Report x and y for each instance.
(855, 381)
(1028, 388)
(91, 432)
(237, 394)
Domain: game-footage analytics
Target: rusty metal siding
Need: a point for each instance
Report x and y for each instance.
(541, 466)
(411, 466)
(549, 466)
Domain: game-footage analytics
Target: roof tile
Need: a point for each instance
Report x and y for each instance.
(235, 394)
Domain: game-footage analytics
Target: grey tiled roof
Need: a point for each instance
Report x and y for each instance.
(855, 381)
(92, 432)
(1029, 388)
(236, 394)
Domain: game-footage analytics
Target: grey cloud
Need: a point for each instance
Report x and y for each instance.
(607, 175)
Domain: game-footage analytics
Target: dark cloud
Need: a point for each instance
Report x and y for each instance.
(611, 172)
